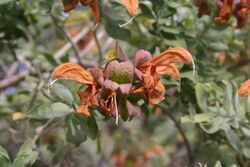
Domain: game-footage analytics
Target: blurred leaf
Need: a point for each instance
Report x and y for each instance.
(218, 164)
(233, 139)
(4, 157)
(5, 1)
(62, 93)
(198, 118)
(25, 156)
(49, 111)
(80, 127)
(201, 96)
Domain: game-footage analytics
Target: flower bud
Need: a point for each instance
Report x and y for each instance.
(120, 72)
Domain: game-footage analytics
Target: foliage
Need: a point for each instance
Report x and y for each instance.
(202, 120)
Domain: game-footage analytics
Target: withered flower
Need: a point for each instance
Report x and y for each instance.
(240, 9)
(242, 12)
(244, 89)
(111, 89)
(75, 72)
(149, 70)
(226, 11)
(203, 7)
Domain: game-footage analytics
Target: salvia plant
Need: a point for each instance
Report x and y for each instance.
(126, 83)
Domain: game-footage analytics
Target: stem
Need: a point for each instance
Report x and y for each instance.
(98, 46)
(185, 139)
(67, 35)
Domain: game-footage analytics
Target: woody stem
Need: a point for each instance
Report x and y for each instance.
(185, 139)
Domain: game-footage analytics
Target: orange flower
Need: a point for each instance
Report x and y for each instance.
(132, 6)
(71, 4)
(228, 8)
(75, 72)
(203, 7)
(149, 70)
(244, 89)
(226, 11)
(243, 9)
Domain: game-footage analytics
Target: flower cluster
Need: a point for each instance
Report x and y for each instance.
(227, 8)
(93, 4)
(239, 8)
(121, 84)
(131, 6)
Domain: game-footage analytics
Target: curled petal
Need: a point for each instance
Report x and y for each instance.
(95, 9)
(93, 4)
(150, 78)
(132, 6)
(83, 110)
(169, 69)
(74, 72)
(108, 104)
(69, 4)
(173, 55)
(242, 17)
(226, 11)
(244, 89)
(139, 90)
(157, 95)
(88, 97)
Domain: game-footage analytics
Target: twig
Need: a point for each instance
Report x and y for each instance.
(91, 44)
(12, 69)
(74, 46)
(186, 142)
(68, 45)
(33, 98)
(14, 79)
(39, 132)
(98, 46)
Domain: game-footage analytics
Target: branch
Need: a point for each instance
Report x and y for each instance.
(68, 45)
(12, 80)
(91, 44)
(185, 139)
(98, 46)
(67, 35)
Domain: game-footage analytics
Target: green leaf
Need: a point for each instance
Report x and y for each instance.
(25, 156)
(233, 139)
(201, 96)
(4, 157)
(198, 118)
(49, 111)
(218, 46)
(80, 127)
(62, 93)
